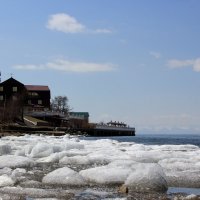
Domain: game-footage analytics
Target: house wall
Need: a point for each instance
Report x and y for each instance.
(11, 90)
(42, 98)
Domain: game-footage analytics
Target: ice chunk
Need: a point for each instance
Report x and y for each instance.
(76, 152)
(41, 150)
(94, 194)
(73, 145)
(180, 164)
(18, 173)
(13, 161)
(28, 149)
(5, 180)
(122, 163)
(52, 158)
(64, 176)
(191, 197)
(20, 152)
(31, 184)
(106, 174)
(147, 177)
(183, 178)
(29, 193)
(55, 157)
(75, 160)
(5, 149)
(5, 170)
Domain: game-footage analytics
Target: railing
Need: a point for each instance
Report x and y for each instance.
(106, 127)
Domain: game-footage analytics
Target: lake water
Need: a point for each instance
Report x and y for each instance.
(157, 139)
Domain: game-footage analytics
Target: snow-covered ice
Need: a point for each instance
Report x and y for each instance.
(64, 176)
(13, 161)
(5, 180)
(41, 161)
(147, 177)
(106, 175)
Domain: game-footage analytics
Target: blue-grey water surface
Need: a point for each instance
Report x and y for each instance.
(157, 139)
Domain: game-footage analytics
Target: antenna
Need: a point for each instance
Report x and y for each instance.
(0, 76)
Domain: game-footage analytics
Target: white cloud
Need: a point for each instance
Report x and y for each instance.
(29, 67)
(103, 31)
(68, 24)
(156, 55)
(64, 23)
(69, 66)
(194, 63)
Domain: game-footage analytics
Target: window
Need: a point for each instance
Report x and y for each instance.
(40, 102)
(33, 94)
(1, 89)
(14, 89)
(1, 97)
(29, 102)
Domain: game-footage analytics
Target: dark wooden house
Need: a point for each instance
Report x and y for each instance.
(38, 97)
(15, 98)
(12, 96)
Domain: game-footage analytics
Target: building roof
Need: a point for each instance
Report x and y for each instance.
(84, 114)
(37, 87)
(11, 79)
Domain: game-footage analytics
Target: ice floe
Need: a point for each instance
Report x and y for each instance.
(64, 176)
(106, 175)
(147, 177)
(48, 161)
(13, 161)
(5, 180)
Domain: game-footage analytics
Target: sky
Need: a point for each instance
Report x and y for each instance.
(133, 61)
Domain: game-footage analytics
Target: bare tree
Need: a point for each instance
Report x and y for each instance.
(60, 104)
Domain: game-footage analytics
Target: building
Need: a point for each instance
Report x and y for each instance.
(38, 97)
(15, 97)
(79, 119)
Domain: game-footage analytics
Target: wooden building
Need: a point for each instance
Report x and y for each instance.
(79, 119)
(15, 98)
(38, 97)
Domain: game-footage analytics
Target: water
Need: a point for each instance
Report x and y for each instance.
(157, 139)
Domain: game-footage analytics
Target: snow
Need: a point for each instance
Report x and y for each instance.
(64, 176)
(71, 161)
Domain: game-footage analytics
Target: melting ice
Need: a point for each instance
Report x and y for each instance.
(31, 165)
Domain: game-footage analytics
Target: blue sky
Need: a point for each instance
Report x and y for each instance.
(136, 61)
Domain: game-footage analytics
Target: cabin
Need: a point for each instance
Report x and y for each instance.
(16, 98)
